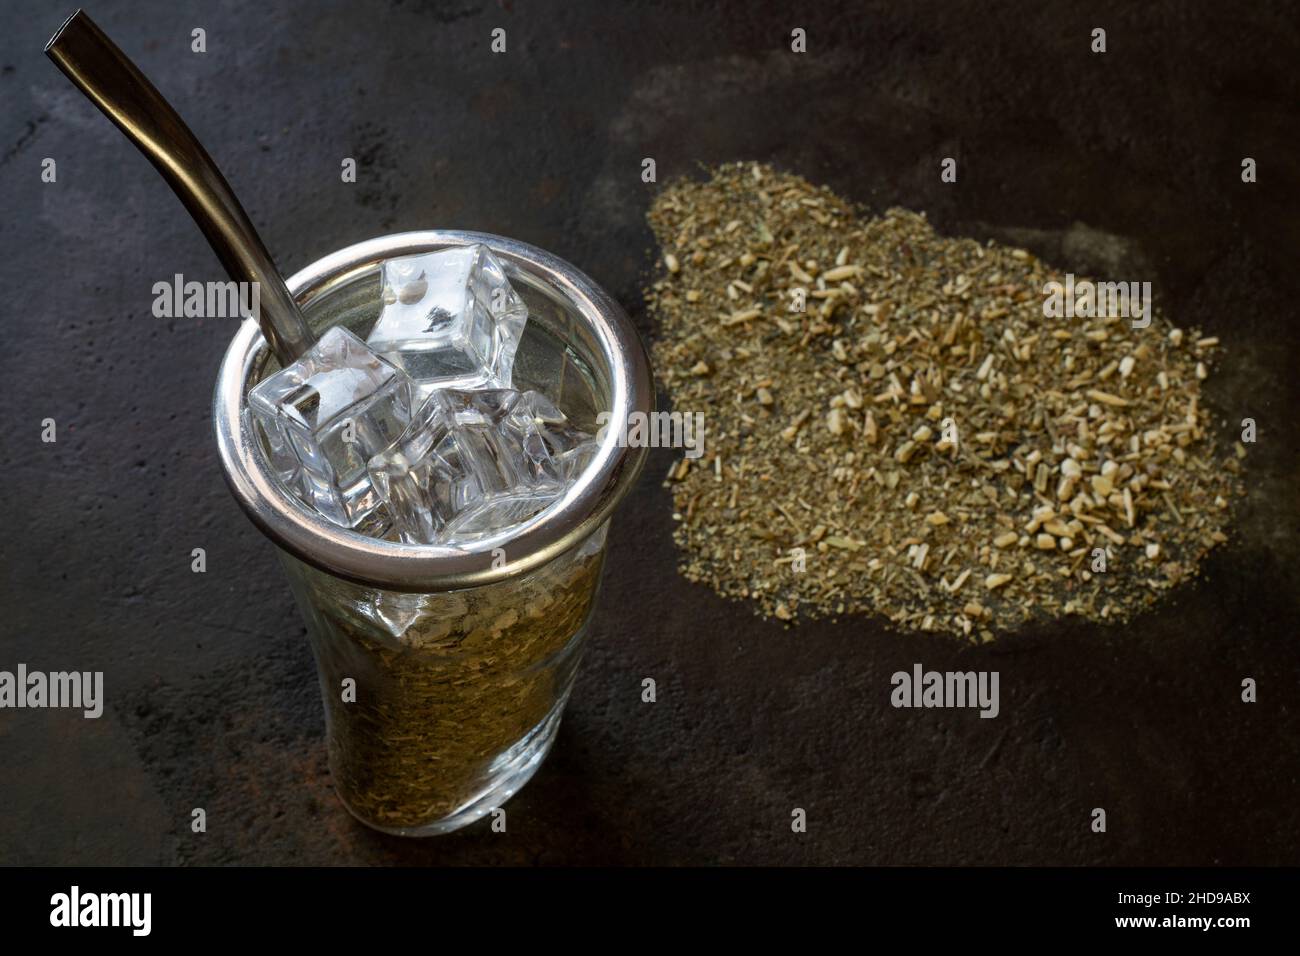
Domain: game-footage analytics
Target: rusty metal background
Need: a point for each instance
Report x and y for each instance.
(1125, 163)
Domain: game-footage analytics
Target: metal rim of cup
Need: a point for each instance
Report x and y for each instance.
(403, 567)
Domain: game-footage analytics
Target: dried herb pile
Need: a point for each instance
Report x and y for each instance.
(831, 482)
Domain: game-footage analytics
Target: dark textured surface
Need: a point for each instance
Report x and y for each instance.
(212, 698)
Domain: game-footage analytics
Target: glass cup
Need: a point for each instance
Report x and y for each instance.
(445, 671)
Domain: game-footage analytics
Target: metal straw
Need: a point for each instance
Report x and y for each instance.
(114, 84)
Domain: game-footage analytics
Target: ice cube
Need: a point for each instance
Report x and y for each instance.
(554, 450)
(450, 319)
(476, 462)
(483, 406)
(325, 416)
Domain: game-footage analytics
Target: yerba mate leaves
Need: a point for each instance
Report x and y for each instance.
(898, 428)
